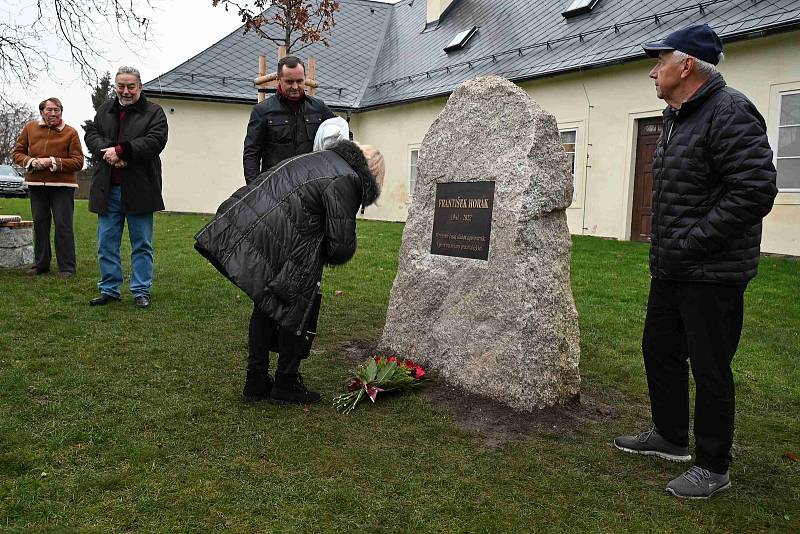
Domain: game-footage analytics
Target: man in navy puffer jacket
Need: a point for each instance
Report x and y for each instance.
(713, 183)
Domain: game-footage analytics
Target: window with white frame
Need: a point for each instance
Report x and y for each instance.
(787, 157)
(569, 139)
(412, 171)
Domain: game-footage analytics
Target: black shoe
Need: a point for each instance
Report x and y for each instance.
(142, 302)
(102, 300)
(35, 271)
(290, 389)
(257, 386)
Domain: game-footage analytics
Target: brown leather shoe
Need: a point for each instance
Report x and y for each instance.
(35, 271)
(65, 274)
(142, 302)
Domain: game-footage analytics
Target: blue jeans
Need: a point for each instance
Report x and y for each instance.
(109, 237)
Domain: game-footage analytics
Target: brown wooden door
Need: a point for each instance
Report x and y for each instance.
(648, 132)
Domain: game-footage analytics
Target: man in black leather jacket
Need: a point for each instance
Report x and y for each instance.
(713, 183)
(283, 125)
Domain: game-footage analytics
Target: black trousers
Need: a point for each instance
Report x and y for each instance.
(699, 323)
(265, 335)
(53, 204)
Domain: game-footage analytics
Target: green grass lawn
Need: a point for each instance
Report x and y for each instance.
(119, 419)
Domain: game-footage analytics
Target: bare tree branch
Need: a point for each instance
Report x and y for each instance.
(302, 22)
(13, 117)
(26, 38)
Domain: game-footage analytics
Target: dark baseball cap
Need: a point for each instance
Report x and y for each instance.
(699, 41)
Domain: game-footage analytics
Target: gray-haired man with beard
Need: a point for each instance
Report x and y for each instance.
(126, 138)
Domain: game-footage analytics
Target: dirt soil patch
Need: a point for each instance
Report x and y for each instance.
(496, 423)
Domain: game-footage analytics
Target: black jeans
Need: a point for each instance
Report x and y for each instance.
(53, 204)
(701, 323)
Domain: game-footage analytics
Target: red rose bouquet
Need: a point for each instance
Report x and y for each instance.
(378, 375)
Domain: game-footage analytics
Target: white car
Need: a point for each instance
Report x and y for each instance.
(11, 182)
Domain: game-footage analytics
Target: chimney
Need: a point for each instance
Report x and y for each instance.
(436, 9)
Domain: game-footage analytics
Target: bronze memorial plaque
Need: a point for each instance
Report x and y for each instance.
(462, 219)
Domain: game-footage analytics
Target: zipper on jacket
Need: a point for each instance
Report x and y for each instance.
(659, 191)
(46, 142)
(294, 130)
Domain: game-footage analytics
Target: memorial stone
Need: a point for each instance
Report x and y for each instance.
(482, 294)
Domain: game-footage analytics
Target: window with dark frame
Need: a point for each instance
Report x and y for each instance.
(412, 171)
(460, 40)
(787, 155)
(578, 7)
(569, 139)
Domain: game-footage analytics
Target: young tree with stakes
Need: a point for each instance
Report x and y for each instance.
(294, 24)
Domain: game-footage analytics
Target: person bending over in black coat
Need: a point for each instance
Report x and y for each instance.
(272, 239)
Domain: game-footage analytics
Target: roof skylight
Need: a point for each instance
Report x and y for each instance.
(579, 7)
(460, 40)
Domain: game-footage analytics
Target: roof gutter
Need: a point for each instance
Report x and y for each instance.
(152, 93)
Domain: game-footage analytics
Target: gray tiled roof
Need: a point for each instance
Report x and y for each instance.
(379, 54)
(225, 70)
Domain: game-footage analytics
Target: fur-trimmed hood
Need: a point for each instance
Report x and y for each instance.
(352, 154)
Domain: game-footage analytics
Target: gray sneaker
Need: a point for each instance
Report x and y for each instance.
(650, 443)
(698, 483)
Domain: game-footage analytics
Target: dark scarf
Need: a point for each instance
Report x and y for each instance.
(295, 103)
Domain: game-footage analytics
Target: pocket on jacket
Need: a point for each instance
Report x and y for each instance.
(279, 131)
(312, 125)
(284, 284)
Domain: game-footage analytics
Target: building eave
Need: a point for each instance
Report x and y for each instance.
(220, 99)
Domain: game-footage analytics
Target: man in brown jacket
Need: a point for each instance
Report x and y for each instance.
(51, 154)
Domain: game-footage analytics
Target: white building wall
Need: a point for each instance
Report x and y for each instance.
(202, 161)
(604, 104)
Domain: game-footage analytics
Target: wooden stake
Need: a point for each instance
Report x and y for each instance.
(262, 70)
(311, 75)
(274, 76)
(266, 78)
(270, 81)
(273, 83)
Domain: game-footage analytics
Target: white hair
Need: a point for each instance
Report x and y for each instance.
(706, 69)
(129, 70)
(331, 132)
